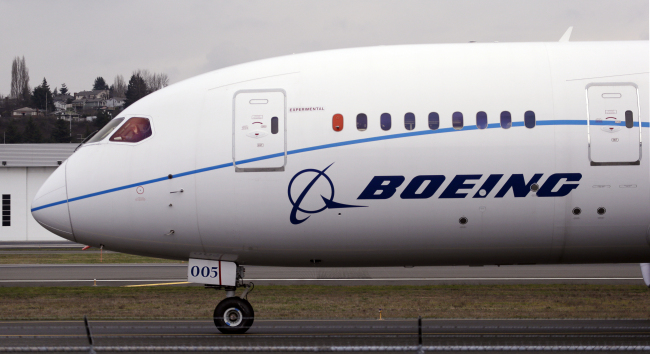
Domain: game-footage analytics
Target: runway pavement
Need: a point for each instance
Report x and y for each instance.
(133, 274)
(346, 335)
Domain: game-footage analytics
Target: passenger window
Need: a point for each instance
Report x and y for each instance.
(506, 120)
(337, 122)
(481, 120)
(529, 119)
(134, 130)
(457, 120)
(409, 121)
(362, 122)
(629, 119)
(274, 125)
(434, 121)
(385, 121)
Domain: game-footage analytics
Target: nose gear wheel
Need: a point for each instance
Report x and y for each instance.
(233, 315)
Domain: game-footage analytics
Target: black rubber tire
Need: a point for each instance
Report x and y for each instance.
(239, 309)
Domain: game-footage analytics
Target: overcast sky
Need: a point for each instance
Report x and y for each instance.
(73, 42)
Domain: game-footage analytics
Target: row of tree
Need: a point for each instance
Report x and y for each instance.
(153, 82)
(141, 83)
(49, 130)
(32, 133)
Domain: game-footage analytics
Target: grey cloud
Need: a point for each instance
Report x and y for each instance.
(75, 41)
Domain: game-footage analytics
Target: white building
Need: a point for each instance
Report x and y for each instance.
(61, 105)
(115, 102)
(26, 111)
(23, 169)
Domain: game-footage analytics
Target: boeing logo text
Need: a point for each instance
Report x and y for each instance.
(384, 187)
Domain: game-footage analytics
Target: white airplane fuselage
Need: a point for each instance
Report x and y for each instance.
(395, 197)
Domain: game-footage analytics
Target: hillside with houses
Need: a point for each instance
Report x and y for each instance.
(42, 115)
(78, 106)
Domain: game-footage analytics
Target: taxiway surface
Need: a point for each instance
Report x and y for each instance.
(436, 334)
(133, 274)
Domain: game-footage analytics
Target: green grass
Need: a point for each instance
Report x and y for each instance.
(331, 302)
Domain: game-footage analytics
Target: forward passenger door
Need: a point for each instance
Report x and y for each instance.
(259, 130)
(614, 125)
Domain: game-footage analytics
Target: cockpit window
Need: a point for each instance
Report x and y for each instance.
(133, 131)
(105, 131)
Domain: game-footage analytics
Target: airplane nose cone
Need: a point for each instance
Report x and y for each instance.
(50, 205)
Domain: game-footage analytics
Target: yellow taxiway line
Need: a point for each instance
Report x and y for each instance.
(157, 284)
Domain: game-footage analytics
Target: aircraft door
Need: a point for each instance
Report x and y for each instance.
(614, 124)
(259, 130)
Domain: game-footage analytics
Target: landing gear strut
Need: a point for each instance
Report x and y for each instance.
(234, 314)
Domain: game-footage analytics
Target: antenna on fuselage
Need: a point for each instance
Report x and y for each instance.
(566, 35)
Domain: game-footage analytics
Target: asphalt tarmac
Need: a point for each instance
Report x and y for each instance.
(139, 274)
(335, 335)
(326, 335)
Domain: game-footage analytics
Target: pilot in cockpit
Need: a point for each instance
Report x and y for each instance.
(133, 131)
(136, 133)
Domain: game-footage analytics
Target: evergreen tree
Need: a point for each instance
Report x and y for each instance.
(6, 109)
(32, 133)
(64, 89)
(102, 119)
(55, 92)
(100, 84)
(12, 135)
(87, 131)
(61, 132)
(41, 95)
(136, 90)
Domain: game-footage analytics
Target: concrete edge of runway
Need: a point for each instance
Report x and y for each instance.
(39, 244)
(158, 274)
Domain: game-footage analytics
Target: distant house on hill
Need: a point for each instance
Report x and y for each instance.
(62, 98)
(60, 105)
(94, 103)
(94, 94)
(78, 104)
(90, 103)
(26, 111)
(68, 115)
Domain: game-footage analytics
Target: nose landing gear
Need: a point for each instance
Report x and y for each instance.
(234, 314)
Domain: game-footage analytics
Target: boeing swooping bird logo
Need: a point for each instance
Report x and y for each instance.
(329, 203)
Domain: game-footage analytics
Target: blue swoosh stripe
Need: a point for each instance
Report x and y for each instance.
(333, 145)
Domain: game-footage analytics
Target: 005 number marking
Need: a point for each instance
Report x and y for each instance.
(205, 272)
